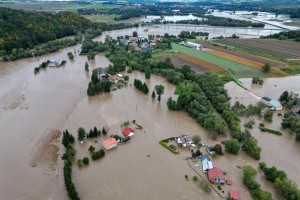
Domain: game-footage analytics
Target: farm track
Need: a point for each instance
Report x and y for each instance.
(281, 49)
(244, 55)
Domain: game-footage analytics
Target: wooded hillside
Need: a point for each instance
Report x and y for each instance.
(22, 29)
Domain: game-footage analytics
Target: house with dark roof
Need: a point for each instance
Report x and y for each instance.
(216, 175)
(184, 140)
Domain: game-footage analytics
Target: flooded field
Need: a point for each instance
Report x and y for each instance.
(276, 150)
(35, 107)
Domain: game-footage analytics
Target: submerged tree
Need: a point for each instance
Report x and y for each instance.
(86, 66)
(159, 91)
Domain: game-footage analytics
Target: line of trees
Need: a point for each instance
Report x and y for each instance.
(285, 187)
(138, 84)
(255, 189)
(67, 141)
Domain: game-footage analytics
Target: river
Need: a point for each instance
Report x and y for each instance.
(34, 106)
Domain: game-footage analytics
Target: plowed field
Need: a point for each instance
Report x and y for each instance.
(200, 62)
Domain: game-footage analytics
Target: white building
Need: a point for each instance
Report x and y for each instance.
(273, 104)
(194, 45)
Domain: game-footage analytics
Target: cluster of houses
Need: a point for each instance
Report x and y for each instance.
(112, 142)
(141, 43)
(214, 174)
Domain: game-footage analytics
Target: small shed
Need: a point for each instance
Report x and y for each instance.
(110, 143)
(234, 195)
(127, 131)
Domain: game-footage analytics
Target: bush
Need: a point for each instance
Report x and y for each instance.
(98, 154)
(205, 185)
(250, 124)
(261, 124)
(268, 116)
(129, 70)
(195, 178)
(85, 160)
(126, 78)
(126, 123)
(263, 129)
(196, 139)
(218, 149)
(79, 163)
(91, 149)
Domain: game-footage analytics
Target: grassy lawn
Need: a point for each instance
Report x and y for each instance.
(237, 69)
(162, 53)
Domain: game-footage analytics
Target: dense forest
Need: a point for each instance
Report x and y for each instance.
(21, 29)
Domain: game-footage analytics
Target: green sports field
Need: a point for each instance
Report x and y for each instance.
(237, 69)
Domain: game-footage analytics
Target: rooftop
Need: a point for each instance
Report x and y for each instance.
(215, 172)
(275, 103)
(109, 142)
(234, 195)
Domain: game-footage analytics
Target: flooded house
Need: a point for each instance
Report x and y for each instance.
(273, 104)
(206, 163)
(211, 150)
(53, 63)
(216, 175)
(127, 131)
(184, 140)
(110, 143)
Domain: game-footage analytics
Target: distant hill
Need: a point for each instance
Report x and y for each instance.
(21, 29)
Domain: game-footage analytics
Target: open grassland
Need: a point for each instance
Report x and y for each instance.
(237, 69)
(56, 6)
(271, 48)
(101, 18)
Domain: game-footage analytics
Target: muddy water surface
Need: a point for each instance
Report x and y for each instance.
(280, 151)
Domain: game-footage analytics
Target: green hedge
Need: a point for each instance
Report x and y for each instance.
(164, 144)
(263, 129)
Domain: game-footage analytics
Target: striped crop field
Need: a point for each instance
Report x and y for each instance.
(237, 69)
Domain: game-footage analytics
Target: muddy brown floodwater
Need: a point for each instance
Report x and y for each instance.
(280, 151)
(34, 108)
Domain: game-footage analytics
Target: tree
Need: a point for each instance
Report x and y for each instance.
(218, 149)
(81, 134)
(257, 80)
(196, 139)
(104, 132)
(159, 91)
(266, 68)
(85, 160)
(284, 97)
(251, 148)
(67, 138)
(126, 78)
(86, 66)
(79, 163)
(232, 146)
(70, 55)
(148, 73)
(134, 34)
(91, 149)
(268, 116)
(153, 94)
(145, 88)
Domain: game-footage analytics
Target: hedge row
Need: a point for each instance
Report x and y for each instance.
(164, 144)
(263, 129)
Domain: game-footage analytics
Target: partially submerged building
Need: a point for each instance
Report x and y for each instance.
(216, 175)
(127, 131)
(273, 104)
(184, 140)
(234, 195)
(110, 143)
(193, 45)
(206, 163)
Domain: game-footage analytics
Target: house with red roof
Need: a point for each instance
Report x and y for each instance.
(234, 195)
(127, 131)
(216, 175)
(110, 143)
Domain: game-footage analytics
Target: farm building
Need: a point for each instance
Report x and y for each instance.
(184, 140)
(234, 195)
(193, 45)
(127, 131)
(216, 175)
(206, 163)
(273, 104)
(110, 143)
